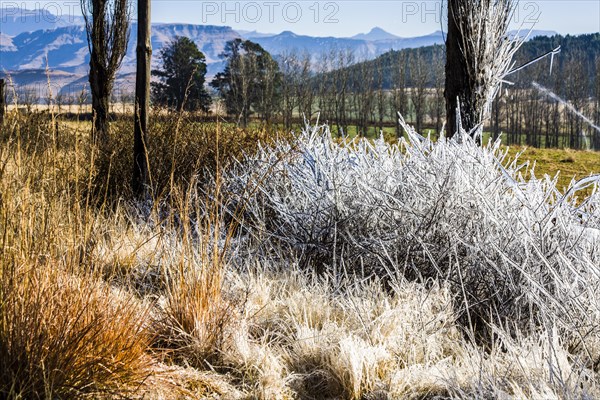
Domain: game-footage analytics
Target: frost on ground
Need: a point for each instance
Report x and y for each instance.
(445, 269)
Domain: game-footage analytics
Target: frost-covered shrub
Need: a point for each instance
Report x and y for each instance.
(513, 248)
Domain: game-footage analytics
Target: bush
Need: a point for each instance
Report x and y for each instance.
(63, 336)
(514, 251)
(179, 150)
(36, 132)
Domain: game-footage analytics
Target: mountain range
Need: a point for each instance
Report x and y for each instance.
(14, 20)
(30, 41)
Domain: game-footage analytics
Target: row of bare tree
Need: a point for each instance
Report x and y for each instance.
(558, 109)
(346, 92)
(368, 96)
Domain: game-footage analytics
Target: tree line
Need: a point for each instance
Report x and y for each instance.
(364, 97)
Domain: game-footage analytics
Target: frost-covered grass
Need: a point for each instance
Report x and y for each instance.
(511, 248)
(316, 269)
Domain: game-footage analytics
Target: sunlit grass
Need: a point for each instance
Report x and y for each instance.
(183, 298)
(572, 164)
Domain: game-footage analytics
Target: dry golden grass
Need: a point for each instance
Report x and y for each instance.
(193, 314)
(105, 302)
(64, 333)
(64, 336)
(87, 291)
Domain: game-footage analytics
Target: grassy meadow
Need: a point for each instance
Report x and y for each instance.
(283, 266)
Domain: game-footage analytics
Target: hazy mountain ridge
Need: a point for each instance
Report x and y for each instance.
(376, 34)
(14, 21)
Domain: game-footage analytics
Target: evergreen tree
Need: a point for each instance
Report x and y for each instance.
(182, 78)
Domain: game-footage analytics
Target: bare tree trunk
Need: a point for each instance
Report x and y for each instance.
(142, 101)
(418, 93)
(457, 85)
(438, 81)
(381, 97)
(305, 89)
(2, 101)
(398, 103)
(100, 102)
(479, 55)
(107, 27)
(290, 82)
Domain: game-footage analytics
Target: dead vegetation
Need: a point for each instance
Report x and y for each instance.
(215, 290)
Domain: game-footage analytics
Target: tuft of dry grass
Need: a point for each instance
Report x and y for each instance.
(194, 314)
(64, 336)
(64, 333)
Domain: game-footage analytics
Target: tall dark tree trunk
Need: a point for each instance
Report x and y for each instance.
(100, 99)
(478, 56)
(107, 27)
(2, 101)
(142, 101)
(458, 85)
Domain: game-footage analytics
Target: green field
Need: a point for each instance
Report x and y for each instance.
(570, 164)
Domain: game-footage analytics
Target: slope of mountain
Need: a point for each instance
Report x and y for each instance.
(363, 49)
(209, 38)
(289, 41)
(6, 43)
(14, 20)
(383, 69)
(251, 35)
(375, 34)
(64, 48)
(436, 37)
(67, 49)
(531, 34)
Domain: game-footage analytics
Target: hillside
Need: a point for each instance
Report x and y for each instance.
(582, 47)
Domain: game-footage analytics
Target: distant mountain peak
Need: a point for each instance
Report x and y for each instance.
(376, 33)
(248, 35)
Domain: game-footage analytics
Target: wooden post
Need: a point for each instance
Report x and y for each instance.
(2, 101)
(142, 101)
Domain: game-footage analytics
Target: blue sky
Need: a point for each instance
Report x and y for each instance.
(348, 17)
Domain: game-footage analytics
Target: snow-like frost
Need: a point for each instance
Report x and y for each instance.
(511, 246)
